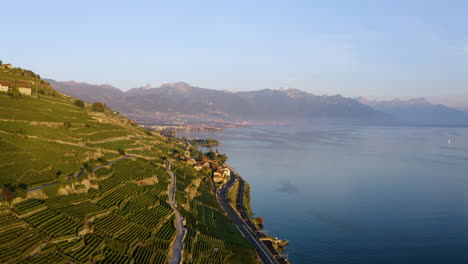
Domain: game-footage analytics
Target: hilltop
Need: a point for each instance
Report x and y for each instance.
(21, 78)
(81, 183)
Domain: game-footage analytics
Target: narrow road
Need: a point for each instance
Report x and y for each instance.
(178, 244)
(222, 194)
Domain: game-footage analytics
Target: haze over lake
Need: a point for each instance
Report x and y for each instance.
(357, 194)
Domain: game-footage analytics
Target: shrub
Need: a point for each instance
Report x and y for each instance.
(14, 93)
(79, 103)
(98, 107)
(102, 160)
(67, 124)
(122, 152)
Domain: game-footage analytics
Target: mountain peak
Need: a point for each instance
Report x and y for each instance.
(177, 85)
(420, 100)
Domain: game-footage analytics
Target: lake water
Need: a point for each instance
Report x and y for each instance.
(356, 194)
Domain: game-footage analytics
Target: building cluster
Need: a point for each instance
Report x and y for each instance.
(221, 173)
(5, 89)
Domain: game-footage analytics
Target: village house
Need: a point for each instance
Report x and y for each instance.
(4, 88)
(6, 66)
(22, 90)
(25, 91)
(219, 178)
(201, 165)
(222, 175)
(225, 172)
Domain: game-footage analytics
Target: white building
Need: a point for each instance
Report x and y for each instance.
(4, 88)
(25, 91)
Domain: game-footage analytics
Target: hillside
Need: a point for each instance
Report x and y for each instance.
(175, 101)
(82, 184)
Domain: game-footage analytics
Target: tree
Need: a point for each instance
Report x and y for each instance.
(98, 107)
(14, 92)
(8, 192)
(1, 62)
(122, 152)
(211, 154)
(67, 124)
(259, 221)
(79, 103)
(22, 190)
(88, 167)
(223, 158)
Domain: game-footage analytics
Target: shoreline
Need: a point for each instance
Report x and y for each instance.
(267, 247)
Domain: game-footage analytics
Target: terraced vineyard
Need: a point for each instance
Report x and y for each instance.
(85, 201)
(211, 237)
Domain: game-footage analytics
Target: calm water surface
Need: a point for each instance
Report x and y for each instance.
(357, 194)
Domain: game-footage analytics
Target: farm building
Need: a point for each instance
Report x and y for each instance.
(4, 88)
(7, 66)
(25, 91)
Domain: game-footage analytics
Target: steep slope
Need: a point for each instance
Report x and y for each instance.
(90, 93)
(86, 186)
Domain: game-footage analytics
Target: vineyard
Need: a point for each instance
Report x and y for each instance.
(140, 230)
(211, 236)
(87, 202)
(167, 231)
(28, 206)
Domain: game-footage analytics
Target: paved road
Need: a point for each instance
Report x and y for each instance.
(178, 245)
(222, 196)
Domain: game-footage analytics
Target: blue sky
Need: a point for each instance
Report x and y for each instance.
(377, 49)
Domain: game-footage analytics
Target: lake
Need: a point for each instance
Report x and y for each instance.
(357, 194)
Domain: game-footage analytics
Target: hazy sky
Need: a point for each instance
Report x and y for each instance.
(379, 49)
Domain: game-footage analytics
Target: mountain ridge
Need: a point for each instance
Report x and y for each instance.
(261, 105)
(418, 111)
(170, 101)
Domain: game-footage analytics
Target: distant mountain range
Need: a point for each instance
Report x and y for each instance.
(181, 103)
(419, 111)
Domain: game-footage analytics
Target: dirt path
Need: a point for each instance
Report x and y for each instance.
(112, 139)
(175, 255)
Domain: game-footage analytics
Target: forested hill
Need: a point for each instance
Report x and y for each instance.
(82, 184)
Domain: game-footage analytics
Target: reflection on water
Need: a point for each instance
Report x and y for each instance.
(357, 194)
(287, 187)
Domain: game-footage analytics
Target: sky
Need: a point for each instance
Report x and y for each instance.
(377, 49)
